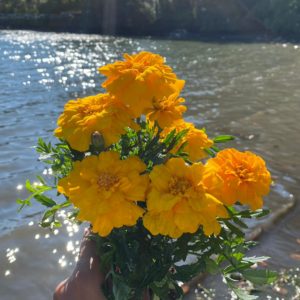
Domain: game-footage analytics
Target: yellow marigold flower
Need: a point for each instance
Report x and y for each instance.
(140, 78)
(178, 203)
(234, 176)
(82, 117)
(166, 111)
(106, 189)
(196, 139)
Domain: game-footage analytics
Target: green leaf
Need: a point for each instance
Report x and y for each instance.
(177, 290)
(49, 216)
(241, 294)
(239, 222)
(234, 229)
(187, 272)
(106, 259)
(56, 224)
(182, 248)
(210, 152)
(214, 148)
(23, 203)
(121, 290)
(44, 200)
(257, 276)
(261, 213)
(256, 259)
(223, 138)
(29, 187)
(211, 266)
(237, 267)
(181, 148)
(41, 179)
(170, 137)
(238, 256)
(161, 288)
(181, 134)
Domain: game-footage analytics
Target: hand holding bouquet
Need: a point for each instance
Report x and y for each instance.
(155, 189)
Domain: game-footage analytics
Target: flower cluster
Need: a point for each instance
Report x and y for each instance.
(178, 195)
(154, 187)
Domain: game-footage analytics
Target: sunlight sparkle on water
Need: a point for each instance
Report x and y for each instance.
(70, 246)
(19, 187)
(62, 261)
(11, 257)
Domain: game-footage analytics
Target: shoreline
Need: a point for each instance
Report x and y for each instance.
(79, 24)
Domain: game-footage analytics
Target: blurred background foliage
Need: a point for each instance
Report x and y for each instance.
(155, 17)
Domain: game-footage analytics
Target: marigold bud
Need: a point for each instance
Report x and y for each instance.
(97, 140)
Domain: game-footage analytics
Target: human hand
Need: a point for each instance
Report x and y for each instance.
(86, 279)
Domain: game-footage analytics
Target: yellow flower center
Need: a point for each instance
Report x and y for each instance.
(179, 186)
(243, 173)
(157, 105)
(107, 180)
(90, 109)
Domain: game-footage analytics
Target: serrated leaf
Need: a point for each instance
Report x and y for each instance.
(260, 277)
(48, 214)
(234, 229)
(256, 259)
(261, 213)
(44, 200)
(239, 222)
(241, 294)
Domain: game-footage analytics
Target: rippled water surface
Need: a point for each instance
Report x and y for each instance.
(248, 90)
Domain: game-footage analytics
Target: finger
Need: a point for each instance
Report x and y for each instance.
(88, 264)
(88, 247)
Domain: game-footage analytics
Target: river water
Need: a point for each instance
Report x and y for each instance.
(250, 90)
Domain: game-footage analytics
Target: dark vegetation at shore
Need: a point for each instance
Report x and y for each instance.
(174, 18)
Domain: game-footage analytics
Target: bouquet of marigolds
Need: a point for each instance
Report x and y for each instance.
(155, 189)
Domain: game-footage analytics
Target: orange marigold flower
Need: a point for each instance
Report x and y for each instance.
(242, 176)
(166, 110)
(106, 190)
(177, 202)
(82, 117)
(140, 78)
(196, 139)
